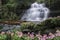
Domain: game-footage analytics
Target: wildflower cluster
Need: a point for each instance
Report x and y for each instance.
(29, 36)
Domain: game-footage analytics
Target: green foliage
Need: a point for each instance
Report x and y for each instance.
(8, 10)
(56, 38)
(1, 27)
(3, 37)
(16, 37)
(50, 24)
(45, 26)
(12, 9)
(40, 1)
(35, 38)
(28, 25)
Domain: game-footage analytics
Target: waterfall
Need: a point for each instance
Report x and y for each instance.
(37, 12)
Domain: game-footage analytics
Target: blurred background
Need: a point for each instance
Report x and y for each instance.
(14, 9)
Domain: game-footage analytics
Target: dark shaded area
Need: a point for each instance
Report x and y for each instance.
(55, 9)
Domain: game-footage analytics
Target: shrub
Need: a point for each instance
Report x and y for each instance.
(28, 25)
(56, 38)
(3, 37)
(51, 23)
(47, 25)
(1, 27)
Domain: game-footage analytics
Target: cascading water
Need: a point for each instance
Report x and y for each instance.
(37, 12)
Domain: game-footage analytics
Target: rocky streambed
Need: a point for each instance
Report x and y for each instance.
(9, 25)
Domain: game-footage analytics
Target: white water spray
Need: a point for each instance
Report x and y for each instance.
(37, 12)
